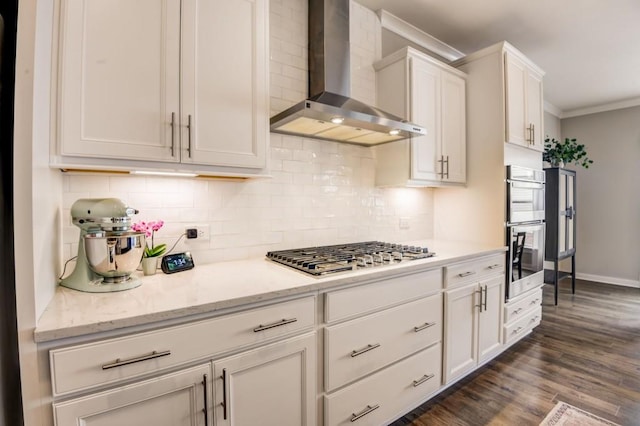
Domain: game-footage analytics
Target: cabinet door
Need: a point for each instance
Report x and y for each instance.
(516, 81)
(535, 110)
(490, 322)
(270, 386)
(172, 400)
(453, 146)
(425, 110)
(119, 79)
(460, 336)
(225, 77)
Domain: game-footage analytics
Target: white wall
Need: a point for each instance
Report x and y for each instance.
(552, 126)
(321, 192)
(608, 199)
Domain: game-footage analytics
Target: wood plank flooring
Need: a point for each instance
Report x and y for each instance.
(586, 352)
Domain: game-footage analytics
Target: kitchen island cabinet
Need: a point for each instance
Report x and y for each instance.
(157, 86)
(423, 90)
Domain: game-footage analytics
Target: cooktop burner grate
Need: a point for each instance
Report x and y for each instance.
(347, 257)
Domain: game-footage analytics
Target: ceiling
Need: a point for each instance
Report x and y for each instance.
(589, 49)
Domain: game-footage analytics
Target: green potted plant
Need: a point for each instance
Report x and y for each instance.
(558, 154)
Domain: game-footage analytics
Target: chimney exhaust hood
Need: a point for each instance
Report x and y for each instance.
(330, 113)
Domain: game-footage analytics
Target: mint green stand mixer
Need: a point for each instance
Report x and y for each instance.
(108, 251)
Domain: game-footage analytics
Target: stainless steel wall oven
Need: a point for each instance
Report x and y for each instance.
(525, 230)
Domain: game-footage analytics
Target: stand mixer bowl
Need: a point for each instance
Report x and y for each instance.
(114, 255)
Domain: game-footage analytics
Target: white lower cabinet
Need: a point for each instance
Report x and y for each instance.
(386, 395)
(177, 399)
(273, 385)
(521, 315)
(473, 326)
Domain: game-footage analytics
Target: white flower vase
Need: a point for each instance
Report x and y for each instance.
(149, 265)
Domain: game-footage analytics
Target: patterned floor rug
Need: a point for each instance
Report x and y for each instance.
(564, 414)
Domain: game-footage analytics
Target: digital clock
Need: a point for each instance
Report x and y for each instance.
(176, 262)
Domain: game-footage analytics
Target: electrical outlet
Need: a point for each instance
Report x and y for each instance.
(203, 232)
(404, 223)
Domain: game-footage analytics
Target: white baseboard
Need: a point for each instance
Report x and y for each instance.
(608, 280)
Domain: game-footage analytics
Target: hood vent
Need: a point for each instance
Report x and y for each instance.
(330, 113)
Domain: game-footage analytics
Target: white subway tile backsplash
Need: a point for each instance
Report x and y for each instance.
(320, 192)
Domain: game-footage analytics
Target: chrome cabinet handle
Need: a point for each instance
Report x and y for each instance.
(466, 274)
(517, 330)
(274, 324)
(535, 302)
(120, 362)
(364, 412)
(495, 266)
(480, 305)
(423, 379)
(424, 326)
(447, 161)
(189, 135)
(517, 311)
(173, 126)
(224, 404)
(367, 348)
(206, 412)
(533, 134)
(441, 161)
(486, 291)
(534, 319)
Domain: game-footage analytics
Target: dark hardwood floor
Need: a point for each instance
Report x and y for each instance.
(586, 352)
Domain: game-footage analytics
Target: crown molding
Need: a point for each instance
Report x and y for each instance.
(627, 103)
(406, 30)
(552, 109)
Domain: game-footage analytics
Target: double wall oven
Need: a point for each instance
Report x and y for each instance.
(525, 230)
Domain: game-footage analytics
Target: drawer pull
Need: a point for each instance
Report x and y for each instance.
(364, 412)
(535, 302)
(423, 379)
(274, 324)
(534, 319)
(496, 266)
(517, 311)
(424, 326)
(466, 274)
(363, 350)
(120, 363)
(517, 330)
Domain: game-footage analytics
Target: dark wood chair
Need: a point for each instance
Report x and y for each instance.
(518, 247)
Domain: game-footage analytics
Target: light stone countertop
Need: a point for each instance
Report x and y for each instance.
(216, 286)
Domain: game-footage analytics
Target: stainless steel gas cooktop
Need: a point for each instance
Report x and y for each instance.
(347, 257)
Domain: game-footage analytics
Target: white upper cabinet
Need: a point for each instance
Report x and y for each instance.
(524, 102)
(151, 82)
(427, 92)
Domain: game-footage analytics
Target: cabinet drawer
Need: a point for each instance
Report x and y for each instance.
(367, 298)
(356, 348)
(515, 330)
(473, 270)
(519, 308)
(394, 391)
(81, 367)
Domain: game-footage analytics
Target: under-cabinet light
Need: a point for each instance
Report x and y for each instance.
(175, 174)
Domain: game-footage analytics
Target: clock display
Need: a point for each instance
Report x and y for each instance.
(177, 262)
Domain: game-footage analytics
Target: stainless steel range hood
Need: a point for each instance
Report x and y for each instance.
(330, 113)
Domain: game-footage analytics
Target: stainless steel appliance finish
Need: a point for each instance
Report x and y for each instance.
(525, 268)
(329, 112)
(525, 194)
(525, 230)
(108, 252)
(348, 257)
